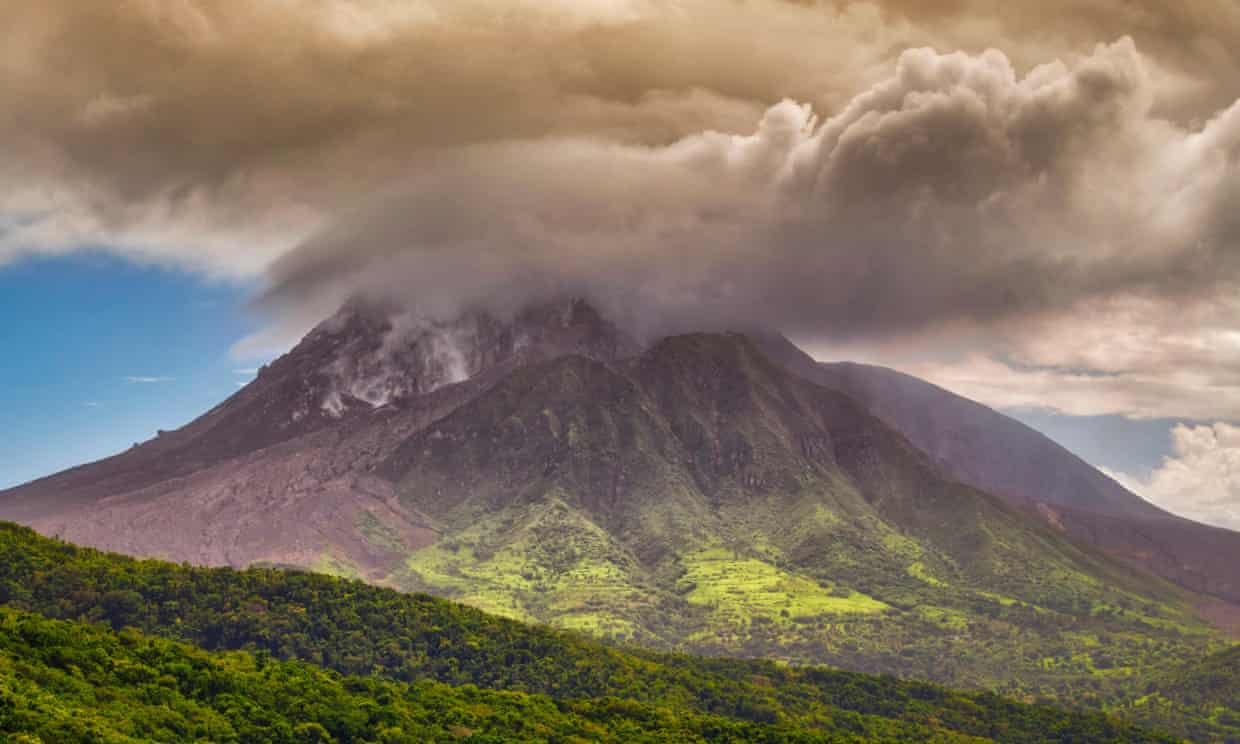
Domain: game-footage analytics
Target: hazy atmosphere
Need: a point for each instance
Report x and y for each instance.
(620, 371)
(1031, 204)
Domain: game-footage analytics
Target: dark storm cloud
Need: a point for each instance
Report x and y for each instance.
(147, 124)
(218, 133)
(956, 190)
(449, 153)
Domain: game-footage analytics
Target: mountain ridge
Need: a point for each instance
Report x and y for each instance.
(1000, 455)
(693, 495)
(290, 441)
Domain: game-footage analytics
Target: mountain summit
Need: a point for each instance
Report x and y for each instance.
(281, 471)
(704, 493)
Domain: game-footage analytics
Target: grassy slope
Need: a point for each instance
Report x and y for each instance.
(700, 499)
(360, 629)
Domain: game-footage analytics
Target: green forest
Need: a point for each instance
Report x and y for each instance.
(68, 682)
(152, 651)
(1200, 699)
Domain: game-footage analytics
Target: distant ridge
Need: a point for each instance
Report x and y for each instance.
(1000, 455)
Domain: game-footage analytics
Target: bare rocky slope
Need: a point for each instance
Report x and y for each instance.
(282, 471)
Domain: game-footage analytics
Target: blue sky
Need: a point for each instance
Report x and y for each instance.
(81, 330)
(1117, 443)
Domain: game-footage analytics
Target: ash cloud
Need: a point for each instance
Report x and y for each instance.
(930, 181)
(218, 134)
(954, 192)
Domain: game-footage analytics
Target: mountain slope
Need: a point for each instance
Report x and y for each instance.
(999, 455)
(79, 682)
(690, 496)
(281, 472)
(700, 497)
(1200, 699)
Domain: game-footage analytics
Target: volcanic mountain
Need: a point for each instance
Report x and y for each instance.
(283, 470)
(997, 454)
(709, 492)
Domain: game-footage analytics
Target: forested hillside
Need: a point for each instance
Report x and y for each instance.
(346, 626)
(1200, 699)
(64, 683)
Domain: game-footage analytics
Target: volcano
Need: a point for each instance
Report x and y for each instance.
(714, 492)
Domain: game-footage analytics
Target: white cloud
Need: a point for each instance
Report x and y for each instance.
(1201, 481)
(1140, 358)
(147, 380)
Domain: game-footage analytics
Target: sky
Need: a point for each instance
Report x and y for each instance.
(1030, 203)
(101, 353)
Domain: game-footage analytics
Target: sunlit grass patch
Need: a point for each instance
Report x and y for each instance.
(745, 588)
(917, 570)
